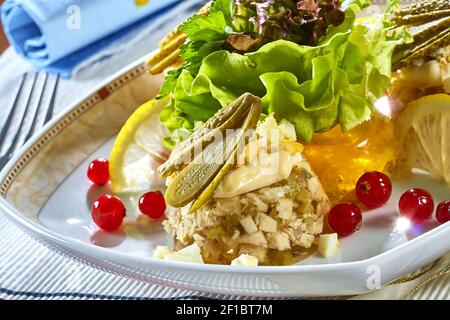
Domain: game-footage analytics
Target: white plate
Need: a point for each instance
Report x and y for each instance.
(45, 191)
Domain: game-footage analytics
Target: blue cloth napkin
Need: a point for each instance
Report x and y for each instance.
(58, 35)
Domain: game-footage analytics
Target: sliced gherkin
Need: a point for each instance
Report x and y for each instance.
(424, 49)
(197, 175)
(424, 7)
(423, 35)
(421, 18)
(226, 118)
(429, 23)
(207, 193)
(440, 41)
(208, 168)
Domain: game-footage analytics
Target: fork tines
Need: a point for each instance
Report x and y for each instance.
(30, 108)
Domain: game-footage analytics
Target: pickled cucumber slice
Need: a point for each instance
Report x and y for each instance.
(200, 177)
(423, 7)
(428, 22)
(226, 118)
(250, 122)
(423, 36)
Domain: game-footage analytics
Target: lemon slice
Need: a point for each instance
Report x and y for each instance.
(138, 150)
(424, 131)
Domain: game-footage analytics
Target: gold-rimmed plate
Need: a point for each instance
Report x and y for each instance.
(44, 190)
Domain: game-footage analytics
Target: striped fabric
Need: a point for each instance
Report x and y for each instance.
(28, 270)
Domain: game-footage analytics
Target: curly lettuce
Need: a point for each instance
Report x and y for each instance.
(313, 87)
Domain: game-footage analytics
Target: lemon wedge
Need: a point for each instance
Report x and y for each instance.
(424, 132)
(138, 150)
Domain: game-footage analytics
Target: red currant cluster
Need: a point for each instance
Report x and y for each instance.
(374, 190)
(108, 211)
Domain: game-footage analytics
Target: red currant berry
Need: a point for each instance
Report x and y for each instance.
(443, 211)
(373, 189)
(417, 205)
(345, 218)
(98, 171)
(108, 212)
(152, 204)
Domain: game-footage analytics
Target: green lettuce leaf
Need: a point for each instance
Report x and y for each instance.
(206, 34)
(315, 88)
(207, 28)
(224, 6)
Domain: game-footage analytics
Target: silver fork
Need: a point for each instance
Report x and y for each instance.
(14, 110)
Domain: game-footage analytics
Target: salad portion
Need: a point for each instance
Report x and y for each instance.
(323, 84)
(262, 199)
(283, 121)
(309, 63)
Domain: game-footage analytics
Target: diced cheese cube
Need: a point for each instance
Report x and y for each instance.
(318, 227)
(279, 241)
(245, 260)
(328, 244)
(260, 205)
(256, 239)
(188, 254)
(267, 224)
(298, 225)
(284, 208)
(161, 251)
(248, 224)
(306, 240)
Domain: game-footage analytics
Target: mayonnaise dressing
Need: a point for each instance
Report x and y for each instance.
(269, 169)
